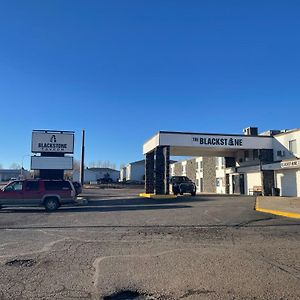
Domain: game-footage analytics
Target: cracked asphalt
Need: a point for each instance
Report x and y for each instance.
(203, 247)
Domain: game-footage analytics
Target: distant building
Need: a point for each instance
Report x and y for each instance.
(208, 173)
(94, 174)
(123, 174)
(7, 174)
(134, 171)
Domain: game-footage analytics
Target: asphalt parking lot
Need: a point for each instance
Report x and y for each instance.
(120, 246)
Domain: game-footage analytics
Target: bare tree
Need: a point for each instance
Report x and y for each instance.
(92, 164)
(76, 165)
(15, 166)
(108, 164)
(102, 164)
(105, 164)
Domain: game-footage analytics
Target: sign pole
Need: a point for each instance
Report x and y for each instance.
(81, 177)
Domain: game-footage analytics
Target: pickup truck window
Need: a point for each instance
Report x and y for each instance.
(15, 186)
(57, 185)
(32, 186)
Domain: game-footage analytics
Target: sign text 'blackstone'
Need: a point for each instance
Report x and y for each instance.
(52, 147)
(290, 164)
(218, 141)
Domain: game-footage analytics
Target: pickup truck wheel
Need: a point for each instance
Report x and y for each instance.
(51, 204)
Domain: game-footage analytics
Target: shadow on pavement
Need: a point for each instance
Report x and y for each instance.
(123, 204)
(147, 201)
(108, 207)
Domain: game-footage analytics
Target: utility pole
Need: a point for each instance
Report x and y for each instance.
(81, 177)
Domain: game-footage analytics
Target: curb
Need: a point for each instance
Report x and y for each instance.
(153, 196)
(275, 212)
(82, 201)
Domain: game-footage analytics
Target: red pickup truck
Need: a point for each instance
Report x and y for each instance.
(48, 193)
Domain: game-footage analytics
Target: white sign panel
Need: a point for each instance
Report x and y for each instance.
(51, 163)
(52, 142)
(290, 164)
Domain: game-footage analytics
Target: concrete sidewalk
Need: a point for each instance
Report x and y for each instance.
(282, 206)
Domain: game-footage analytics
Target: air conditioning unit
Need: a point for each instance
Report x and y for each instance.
(250, 131)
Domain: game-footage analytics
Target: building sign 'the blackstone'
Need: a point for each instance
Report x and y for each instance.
(290, 164)
(52, 142)
(218, 141)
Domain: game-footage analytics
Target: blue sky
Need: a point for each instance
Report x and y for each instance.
(125, 69)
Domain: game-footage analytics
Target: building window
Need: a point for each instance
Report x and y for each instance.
(280, 153)
(15, 186)
(255, 154)
(223, 162)
(199, 166)
(172, 170)
(293, 146)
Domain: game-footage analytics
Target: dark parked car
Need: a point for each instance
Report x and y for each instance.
(182, 184)
(77, 187)
(104, 180)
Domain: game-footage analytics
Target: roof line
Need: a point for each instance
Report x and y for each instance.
(218, 134)
(52, 131)
(151, 137)
(287, 132)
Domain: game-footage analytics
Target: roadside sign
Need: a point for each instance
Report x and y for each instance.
(51, 163)
(55, 142)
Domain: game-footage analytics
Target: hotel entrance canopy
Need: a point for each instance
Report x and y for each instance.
(165, 143)
(206, 144)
